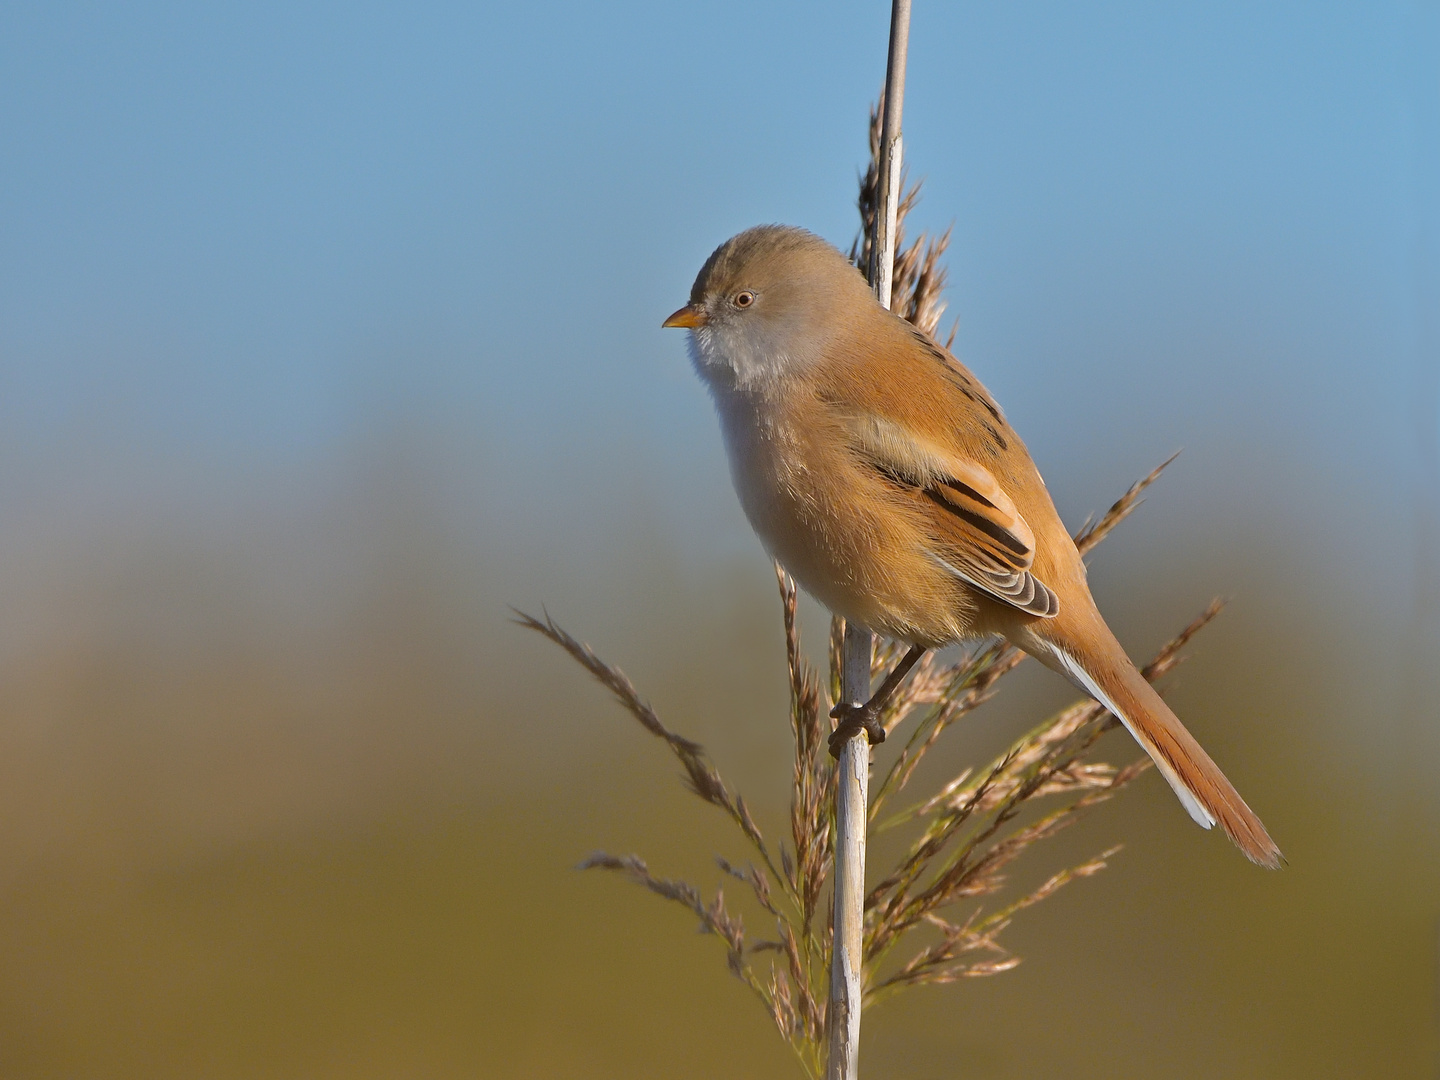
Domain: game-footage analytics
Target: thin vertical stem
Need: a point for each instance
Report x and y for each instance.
(882, 246)
(852, 788)
(852, 791)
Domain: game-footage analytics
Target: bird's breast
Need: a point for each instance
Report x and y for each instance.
(768, 463)
(833, 524)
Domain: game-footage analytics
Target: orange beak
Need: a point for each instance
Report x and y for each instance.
(687, 318)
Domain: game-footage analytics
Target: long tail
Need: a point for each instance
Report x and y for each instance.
(1102, 670)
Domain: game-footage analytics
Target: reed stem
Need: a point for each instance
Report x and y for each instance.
(853, 772)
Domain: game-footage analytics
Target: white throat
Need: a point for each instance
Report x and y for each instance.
(745, 358)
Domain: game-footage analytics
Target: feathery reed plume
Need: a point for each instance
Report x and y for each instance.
(919, 279)
(926, 919)
(968, 832)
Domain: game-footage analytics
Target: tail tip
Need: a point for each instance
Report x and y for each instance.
(1270, 857)
(1257, 846)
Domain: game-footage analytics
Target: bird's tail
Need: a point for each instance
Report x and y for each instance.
(1101, 669)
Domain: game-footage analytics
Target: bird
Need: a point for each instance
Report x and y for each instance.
(885, 479)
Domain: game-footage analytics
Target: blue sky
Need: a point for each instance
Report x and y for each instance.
(249, 237)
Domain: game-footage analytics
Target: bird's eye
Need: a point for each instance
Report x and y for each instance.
(744, 299)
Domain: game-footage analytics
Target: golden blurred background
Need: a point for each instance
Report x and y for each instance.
(284, 794)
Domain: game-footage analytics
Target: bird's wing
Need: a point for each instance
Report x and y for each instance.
(976, 531)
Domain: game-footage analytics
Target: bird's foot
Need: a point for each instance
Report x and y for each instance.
(853, 720)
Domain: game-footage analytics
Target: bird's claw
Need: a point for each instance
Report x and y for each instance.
(853, 720)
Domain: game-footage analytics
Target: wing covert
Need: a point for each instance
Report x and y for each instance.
(977, 533)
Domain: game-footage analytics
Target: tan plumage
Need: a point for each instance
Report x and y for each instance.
(883, 476)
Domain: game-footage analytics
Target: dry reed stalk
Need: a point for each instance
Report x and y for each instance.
(852, 775)
(968, 833)
(925, 919)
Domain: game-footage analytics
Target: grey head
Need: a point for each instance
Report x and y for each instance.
(766, 304)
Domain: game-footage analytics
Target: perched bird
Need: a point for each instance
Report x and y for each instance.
(886, 480)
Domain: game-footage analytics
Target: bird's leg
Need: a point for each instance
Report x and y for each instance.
(855, 718)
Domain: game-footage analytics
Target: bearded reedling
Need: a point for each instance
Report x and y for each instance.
(885, 479)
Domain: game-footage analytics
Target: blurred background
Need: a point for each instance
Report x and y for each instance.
(329, 331)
